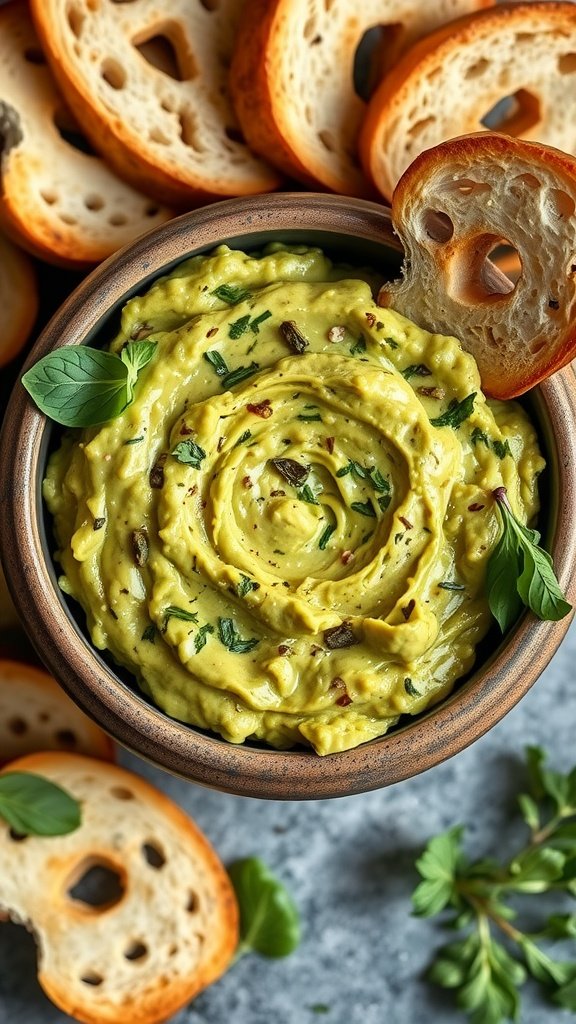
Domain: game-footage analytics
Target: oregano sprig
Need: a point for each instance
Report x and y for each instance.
(491, 959)
(520, 573)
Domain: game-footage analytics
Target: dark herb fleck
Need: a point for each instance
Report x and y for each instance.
(340, 636)
(387, 341)
(478, 436)
(231, 293)
(359, 346)
(156, 477)
(416, 370)
(294, 472)
(238, 375)
(313, 417)
(501, 448)
(140, 546)
(245, 586)
(410, 688)
(174, 612)
(293, 336)
(448, 585)
(255, 325)
(456, 412)
(475, 507)
(201, 636)
(98, 523)
(408, 609)
(149, 633)
(243, 437)
(365, 508)
(325, 537)
(133, 440)
(384, 501)
(232, 640)
(238, 327)
(307, 494)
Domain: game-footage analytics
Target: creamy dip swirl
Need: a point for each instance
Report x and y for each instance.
(275, 537)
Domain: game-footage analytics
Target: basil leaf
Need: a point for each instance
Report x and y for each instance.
(137, 354)
(189, 453)
(79, 386)
(502, 572)
(456, 412)
(32, 805)
(269, 920)
(538, 586)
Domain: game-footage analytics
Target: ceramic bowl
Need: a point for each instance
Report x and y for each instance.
(355, 231)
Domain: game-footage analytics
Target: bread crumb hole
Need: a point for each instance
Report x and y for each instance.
(91, 978)
(157, 135)
(66, 218)
(327, 140)
(193, 903)
(507, 259)
(96, 885)
(567, 64)
(93, 202)
(153, 855)
(69, 131)
(189, 131)
(135, 951)
(513, 115)
(151, 211)
(477, 69)
(529, 180)
(375, 53)
(168, 104)
(310, 29)
(66, 738)
(17, 726)
(437, 225)
(113, 74)
(572, 267)
(49, 197)
(34, 55)
(420, 127)
(210, 5)
(75, 20)
(473, 278)
(43, 716)
(169, 52)
(560, 203)
(173, 950)
(122, 793)
(118, 220)
(465, 186)
(537, 346)
(234, 134)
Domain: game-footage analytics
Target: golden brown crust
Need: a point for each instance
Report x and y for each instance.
(19, 298)
(153, 997)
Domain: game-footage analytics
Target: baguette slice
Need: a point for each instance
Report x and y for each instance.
(456, 204)
(149, 948)
(18, 302)
(523, 54)
(292, 78)
(59, 203)
(36, 714)
(171, 132)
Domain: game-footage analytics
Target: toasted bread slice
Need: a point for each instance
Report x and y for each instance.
(510, 69)
(148, 84)
(36, 714)
(167, 925)
(292, 78)
(454, 206)
(18, 300)
(59, 203)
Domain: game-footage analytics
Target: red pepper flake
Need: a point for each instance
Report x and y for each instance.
(220, 444)
(405, 522)
(371, 319)
(285, 650)
(475, 507)
(184, 429)
(346, 557)
(277, 494)
(246, 481)
(344, 700)
(330, 444)
(262, 409)
(438, 393)
(340, 636)
(212, 332)
(408, 609)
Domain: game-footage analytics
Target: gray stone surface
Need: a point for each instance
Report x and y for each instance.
(349, 864)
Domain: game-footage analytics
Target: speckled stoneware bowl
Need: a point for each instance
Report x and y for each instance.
(355, 231)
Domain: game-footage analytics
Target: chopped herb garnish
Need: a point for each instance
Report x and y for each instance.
(416, 370)
(231, 293)
(238, 375)
(344, 470)
(365, 508)
(366, 537)
(307, 494)
(189, 453)
(293, 336)
(140, 546)
(325, 537)
(379, 482)
(501, 448)
(410, 688)
(384, 501)
(98, 523)
(217, 362)
(456, 412)
(245, 586)
(133, 440)
(313, 417)
(243, 437)
(201, 635)
(478, 436)
(340, 636)
(231, 639)
(359, 346)
(294, 472)
(174, 612)
(387, 341)
(238, 327)
(255, 325)
(149, 633)
(448, 585)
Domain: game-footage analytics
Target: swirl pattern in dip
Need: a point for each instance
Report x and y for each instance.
(285, 536)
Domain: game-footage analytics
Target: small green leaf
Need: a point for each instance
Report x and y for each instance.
(174, 612)
(217, 362)
(529, 809)
(255, 323)
(202, 636)
(325, 536)
(32, 805)
(231, 293)
(307, 494)
(230, 638)
(241, 373)
(416, 370)
(245, 585)
(501, 575)
(239, 327)
(313, 417)
(189, 453)
(269, 921)
(364, 508)
(566, 995)
(549, 972)
(534, 869)
(501, 448)
(243, 437)
(478, 437)
(456, 412)
(538, 587)
(438, 866)
(79, 386)
(149, 634)
(359, 346)
(136, 355)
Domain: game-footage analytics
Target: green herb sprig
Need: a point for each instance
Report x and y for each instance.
(269, 920)
(520, 573)
(34, 806)
(231, 639)
(456, 412)
(82, 387)
(486, 973)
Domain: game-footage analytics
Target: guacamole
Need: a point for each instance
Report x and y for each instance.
(285, 536)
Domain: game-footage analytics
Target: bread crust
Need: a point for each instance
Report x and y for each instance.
(278, 113)
(36, 714)
(59, 203)
(166, 166)
(18, 300)
(120, 812)
(491, 187)
(421, 103)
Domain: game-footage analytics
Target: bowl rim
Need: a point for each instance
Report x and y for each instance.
(444, 730)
